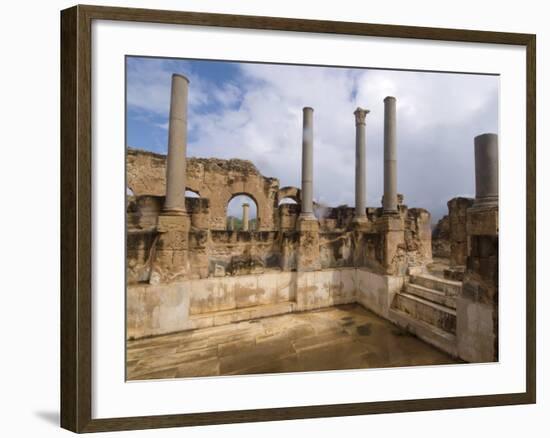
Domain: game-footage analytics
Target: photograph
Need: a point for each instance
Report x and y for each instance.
(294, 218)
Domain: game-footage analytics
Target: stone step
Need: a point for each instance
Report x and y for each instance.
(449, 287)
(432, 295)
(430, 334)
(437, 315)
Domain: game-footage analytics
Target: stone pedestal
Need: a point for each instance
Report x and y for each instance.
(308, 245)
(392, 233)
(477, 304)
(171, 253)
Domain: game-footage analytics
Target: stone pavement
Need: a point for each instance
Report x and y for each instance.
(341, 337)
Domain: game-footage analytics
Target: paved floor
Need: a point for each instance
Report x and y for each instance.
(342, 337)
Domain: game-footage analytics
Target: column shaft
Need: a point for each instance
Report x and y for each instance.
(360, 163)
(177, 147)
(307, 164)
(390, 156)
(245, 217)
(486, 164)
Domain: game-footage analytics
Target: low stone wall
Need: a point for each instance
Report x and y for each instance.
(376, 292)
(160, 309)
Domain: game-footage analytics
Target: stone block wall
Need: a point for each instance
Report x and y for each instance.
(191, 304)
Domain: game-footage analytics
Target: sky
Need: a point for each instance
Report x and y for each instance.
(254, 111)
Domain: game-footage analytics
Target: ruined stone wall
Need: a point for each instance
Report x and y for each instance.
(458, 235)
(217, 180)
(418, 237)
(441, 244)
(207, 249)
(225, 252)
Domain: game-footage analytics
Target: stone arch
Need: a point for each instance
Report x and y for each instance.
(254, 199)
(289, 192)
(253, 217)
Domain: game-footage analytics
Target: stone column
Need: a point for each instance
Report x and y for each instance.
(486, 164)
(231, 225)
(390, 156)
(360, 164)
(177, 145)
(245, 217)
(307, 165)
(308, 226)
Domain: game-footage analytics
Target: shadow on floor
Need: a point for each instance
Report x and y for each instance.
(51, 417)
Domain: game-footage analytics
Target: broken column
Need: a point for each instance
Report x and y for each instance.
(174, 202)
(486, 165)
(171, 258)
(360, 165)
(245, 217)
(308, 226)
(477, 303)
(390, 156)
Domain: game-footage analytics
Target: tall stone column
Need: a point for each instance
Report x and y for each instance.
(177, 147)
(486, 164)
(390, 156)
(360, 164)
(308, 226)
(245, 216)
(171, 260)
(307, 165)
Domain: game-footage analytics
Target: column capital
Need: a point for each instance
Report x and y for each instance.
(360, 115)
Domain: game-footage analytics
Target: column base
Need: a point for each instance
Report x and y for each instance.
(390, 212)
(485, 203)
(361, 223)
(307, 217)
(482, 221)
(174, 212)
(173, 222)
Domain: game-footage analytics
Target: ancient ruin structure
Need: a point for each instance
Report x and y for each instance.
(188, 267)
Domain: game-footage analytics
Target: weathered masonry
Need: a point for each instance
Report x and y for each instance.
(188, 266)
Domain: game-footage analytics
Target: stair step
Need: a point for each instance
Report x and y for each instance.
(430, 334)
(433, 295)
(449, 287)
(432, 313)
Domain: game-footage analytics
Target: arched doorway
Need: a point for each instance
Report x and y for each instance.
(242, 213)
